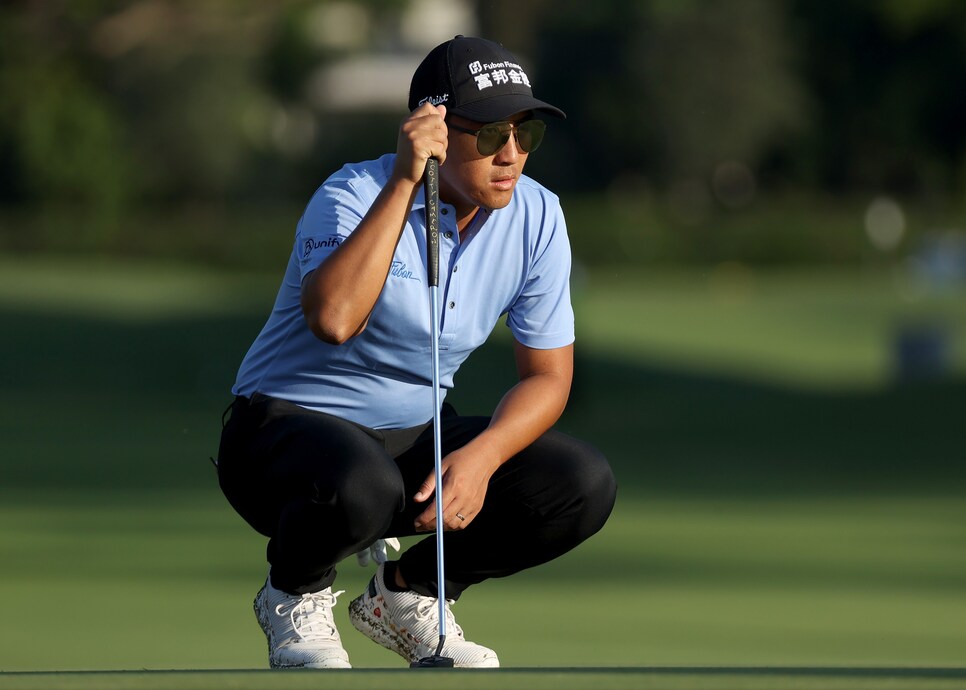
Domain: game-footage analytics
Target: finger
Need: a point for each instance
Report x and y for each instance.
(438, 141)
(425, 109)
(441, 156)
(426, 521)
(428, 108)
(426, 489)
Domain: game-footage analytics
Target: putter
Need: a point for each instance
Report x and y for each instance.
(431, 189)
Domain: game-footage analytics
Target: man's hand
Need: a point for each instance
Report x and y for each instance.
(527, 410)
(422, 135)
(466, 476)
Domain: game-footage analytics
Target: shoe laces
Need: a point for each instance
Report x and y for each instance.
(311, 615)
(428, 607)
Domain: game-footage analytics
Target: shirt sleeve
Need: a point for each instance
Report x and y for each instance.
(542, 316)
(334, 211)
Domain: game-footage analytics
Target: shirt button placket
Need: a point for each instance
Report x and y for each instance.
(449, 235)
(449, 325)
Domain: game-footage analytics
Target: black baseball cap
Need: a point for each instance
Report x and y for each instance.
(476, 79)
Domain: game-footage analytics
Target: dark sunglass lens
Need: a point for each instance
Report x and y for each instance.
(530, 134)
(491, 139)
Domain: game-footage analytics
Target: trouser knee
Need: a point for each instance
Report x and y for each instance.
(582, 480)
(362, 500)
(589, 487)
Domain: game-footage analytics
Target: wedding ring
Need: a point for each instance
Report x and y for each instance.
(461, 516)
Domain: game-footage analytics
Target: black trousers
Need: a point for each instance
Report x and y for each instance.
(322, 488)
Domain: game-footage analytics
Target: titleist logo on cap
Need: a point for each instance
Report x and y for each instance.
(435, 100)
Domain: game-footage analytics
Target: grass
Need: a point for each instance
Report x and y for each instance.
(736, 678)
(818, 329)
(679, 583)
(790, 518)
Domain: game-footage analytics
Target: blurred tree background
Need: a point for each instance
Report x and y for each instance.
(745, 131)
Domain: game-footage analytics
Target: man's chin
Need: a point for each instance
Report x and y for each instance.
(497, 201)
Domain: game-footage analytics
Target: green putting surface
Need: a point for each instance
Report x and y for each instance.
(788, 509)
(681, 678)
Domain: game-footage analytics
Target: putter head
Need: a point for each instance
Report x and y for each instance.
(435, 661)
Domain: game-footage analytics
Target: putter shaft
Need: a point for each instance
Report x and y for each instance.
(431, 188)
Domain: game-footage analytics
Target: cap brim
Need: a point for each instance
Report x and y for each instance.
(496, 109)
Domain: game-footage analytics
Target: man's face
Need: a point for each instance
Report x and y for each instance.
(469, 180)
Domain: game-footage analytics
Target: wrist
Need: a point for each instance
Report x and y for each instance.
(487, 448)
(407, 170)
(399, 181)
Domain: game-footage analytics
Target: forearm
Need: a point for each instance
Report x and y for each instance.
(338, 296)
(527, 410)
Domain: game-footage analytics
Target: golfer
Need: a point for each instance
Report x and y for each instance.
(328, 449)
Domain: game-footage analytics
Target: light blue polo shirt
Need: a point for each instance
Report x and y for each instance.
(513, 261)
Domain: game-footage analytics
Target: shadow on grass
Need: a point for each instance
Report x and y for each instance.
(669, 431)
(90, 403)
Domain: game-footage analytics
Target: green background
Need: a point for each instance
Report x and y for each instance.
(793, 504)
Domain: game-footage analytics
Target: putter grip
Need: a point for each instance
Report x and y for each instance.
(431, 188)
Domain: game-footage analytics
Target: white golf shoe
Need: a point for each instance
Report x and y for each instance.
(300, 628)
(407, 623)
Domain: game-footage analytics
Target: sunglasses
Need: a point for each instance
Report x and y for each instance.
(494, 136)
